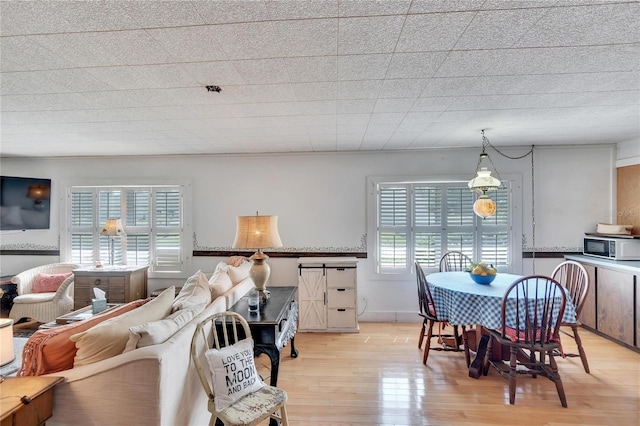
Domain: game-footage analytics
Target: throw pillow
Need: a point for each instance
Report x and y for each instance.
(238, 273)
(48, 283)
(236, 260)
(219, 283)
(49, 351)
(233, 372)
(195, 291)
(156, 332)
(109, 338)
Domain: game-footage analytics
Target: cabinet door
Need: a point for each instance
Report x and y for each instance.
(588, 314)
(615, 305)
(312, 296)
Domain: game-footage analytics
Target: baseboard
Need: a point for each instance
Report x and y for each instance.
(382, 316)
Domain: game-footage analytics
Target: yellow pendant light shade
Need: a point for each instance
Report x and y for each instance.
(484, 206)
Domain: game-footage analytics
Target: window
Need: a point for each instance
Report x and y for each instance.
(423, 219)
(153, 221)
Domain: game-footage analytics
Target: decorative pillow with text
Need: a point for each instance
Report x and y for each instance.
(233, 372)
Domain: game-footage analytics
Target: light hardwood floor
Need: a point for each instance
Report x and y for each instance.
(376, 377)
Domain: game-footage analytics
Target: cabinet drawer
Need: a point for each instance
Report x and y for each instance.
(341, 318)
(341, 277)
(341, 298)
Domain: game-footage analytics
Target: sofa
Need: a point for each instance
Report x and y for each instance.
(155, 384)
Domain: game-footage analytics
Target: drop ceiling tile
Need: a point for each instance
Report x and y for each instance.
(142, 77)
(498, 28)
(231, 11)
(218, 73)
(365, 89)
(369, 35)
(301, 9)
(315, 91)
(389, 119)
(363, 67)
(262, 71)
(402, 88)
(257, 93)
(415, 65)
(439, 103)
(401, 105)
(151, 14)
(92, 16)
(516, 4)
(433, 32)
(30, 17)
(26, 53)
(307, 69)
(373, 8)
(316, 107)
(586, 25)
(444, 86)
(314, 37)
(359, 120)
(355, 106)
(250, 40)
(429, 6)
(189, 44)
(473, 63)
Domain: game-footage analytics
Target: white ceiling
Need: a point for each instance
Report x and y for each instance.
(128, 77)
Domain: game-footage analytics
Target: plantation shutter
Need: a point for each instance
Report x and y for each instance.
(138, 226)
(393, 227)
(427, 224)
(495, 230)
(82, 226)
(460, 220)
(168, 225)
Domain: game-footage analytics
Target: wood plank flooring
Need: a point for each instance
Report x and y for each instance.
(376, 377)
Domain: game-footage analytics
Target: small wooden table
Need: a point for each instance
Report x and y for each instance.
(273, 326)
(27, 400)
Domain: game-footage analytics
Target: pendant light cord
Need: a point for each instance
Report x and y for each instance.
(485, 143)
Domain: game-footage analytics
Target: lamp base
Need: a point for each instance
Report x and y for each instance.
(259, 273)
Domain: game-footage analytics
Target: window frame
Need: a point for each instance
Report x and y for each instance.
(514, 234)
(186, 233)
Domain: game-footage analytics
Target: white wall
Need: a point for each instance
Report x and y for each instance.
(321, 202)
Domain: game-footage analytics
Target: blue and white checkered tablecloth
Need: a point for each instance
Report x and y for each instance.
(460, 301)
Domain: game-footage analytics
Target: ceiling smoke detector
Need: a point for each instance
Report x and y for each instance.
(213, 89)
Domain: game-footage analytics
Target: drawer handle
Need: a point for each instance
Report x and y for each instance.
(341, 289)
(342, 310)
(97, 282)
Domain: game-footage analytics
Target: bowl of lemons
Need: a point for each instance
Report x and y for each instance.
(482, 273)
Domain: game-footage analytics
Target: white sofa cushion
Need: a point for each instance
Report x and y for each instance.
(219, 283)
(155, 332)
(110, 337)
(236, 273)
(234, 373)
(194, 292)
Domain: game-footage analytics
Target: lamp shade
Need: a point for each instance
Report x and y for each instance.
(112, 228)
(257, 232)
(484, 181)
(484, 206)
(38, 192)
(7, 354)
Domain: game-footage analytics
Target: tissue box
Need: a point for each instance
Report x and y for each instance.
(98, 305)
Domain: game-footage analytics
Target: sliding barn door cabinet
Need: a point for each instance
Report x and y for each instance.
(327, 293)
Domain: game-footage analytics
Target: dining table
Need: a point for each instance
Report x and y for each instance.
(461, 301)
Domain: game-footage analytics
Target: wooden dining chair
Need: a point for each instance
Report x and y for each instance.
(532, 310)
(454, 261)
(575, 279)
(430, 317)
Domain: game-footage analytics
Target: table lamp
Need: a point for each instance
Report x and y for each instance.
(6, 342)
(112, 228)
(258, 232)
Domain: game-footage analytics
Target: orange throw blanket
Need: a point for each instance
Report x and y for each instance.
(49, 351)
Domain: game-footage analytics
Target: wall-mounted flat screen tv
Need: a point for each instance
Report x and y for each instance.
(25, 203)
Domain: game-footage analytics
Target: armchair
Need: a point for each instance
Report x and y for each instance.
(42, 307)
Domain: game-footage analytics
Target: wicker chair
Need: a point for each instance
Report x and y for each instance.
(575, 279)
(223, 330)
(42, 307)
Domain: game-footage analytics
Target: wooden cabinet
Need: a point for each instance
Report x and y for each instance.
(327, 294)
(615, 316)
(122, 284)
(612, 306)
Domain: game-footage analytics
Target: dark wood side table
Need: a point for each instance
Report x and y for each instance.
(27, 401)
(273, 326)
(122, 284)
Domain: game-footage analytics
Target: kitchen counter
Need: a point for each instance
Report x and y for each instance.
(632, 266)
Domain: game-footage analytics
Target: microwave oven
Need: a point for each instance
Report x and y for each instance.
(612, 248)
